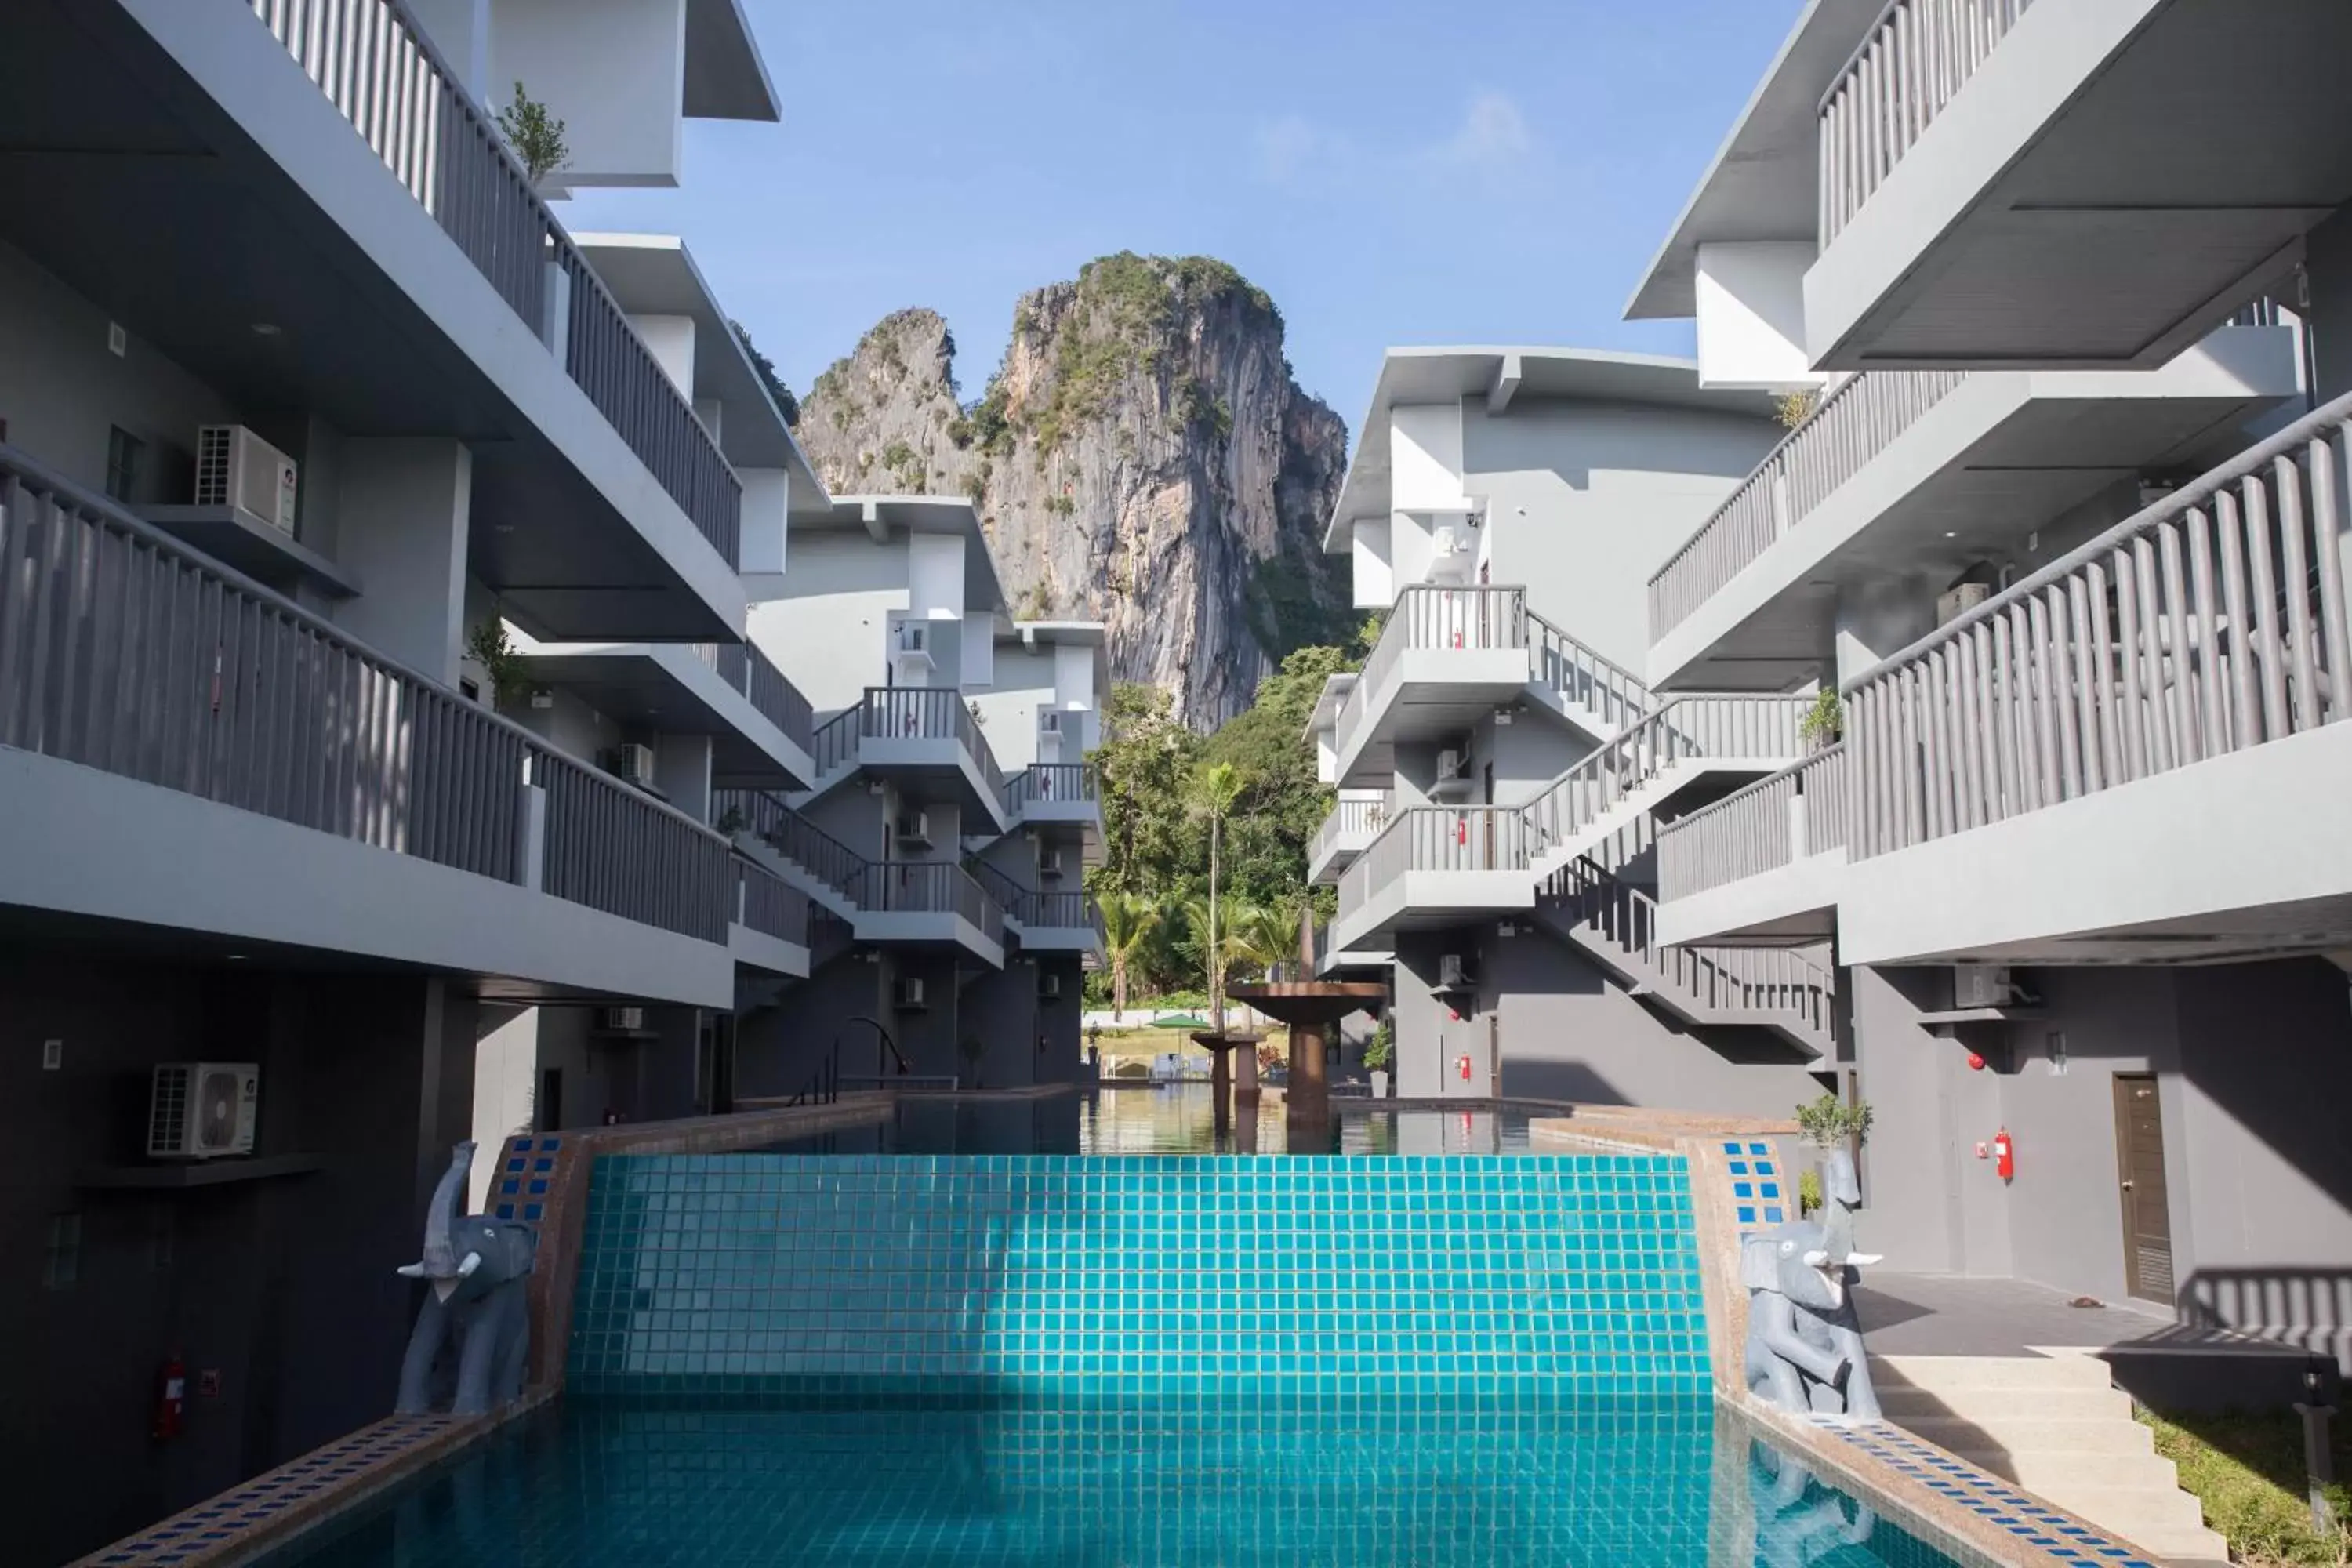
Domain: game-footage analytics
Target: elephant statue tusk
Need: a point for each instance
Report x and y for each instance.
(411, 1271)
(465, 1270)
(1818, 1258)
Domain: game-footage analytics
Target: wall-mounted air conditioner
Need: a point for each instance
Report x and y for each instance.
(200, 1111)
(1959, 601)
(1449, 765)
(1453, 973)
(908, 997)
(1450, 552)
(632, 762)
(1049, 720)
(237, 468)
(1049, 864)
(1982, 985)
(1049, 988)
(914, 827)
(624, 1020)
(911, 646)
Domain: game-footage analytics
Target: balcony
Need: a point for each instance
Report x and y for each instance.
(1057, 793)
(166, 712)
(1448, 657)
(759, 724)
(1044, 921)
(360, 207)
(2132, 753)
(1331, 961)
(1761, 865)
(770, 928)
(1920, 475)
(922, 736)
(1436, 866)
(1345, 834)
(2095, 184)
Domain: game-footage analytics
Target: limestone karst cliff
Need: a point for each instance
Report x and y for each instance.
(1143, 456)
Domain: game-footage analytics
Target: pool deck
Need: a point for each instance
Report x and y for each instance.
(1952, 1314)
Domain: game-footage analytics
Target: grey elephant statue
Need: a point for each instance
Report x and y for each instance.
(1805, 1343)
(1798, 1522)
(477, 1268)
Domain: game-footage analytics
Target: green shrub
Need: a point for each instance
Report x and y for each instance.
(1809, 1192)
(1380, 1050)
(2247, 1470)
(1829, 1122)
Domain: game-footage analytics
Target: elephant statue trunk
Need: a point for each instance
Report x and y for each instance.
(1804, 1350)
(477, 1268)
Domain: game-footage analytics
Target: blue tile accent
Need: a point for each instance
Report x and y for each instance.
(753, 1272)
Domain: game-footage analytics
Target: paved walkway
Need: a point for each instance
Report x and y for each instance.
(1953, 1314)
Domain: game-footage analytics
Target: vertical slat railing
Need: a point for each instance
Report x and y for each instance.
(2213, 621)
(1756, 829)
(617, 849)
(770, 904)
(797, 839)
(1431, 615)
(1585, 676)
(1051, 782)
(1349, 826)
(1761, 727)
(1909, 66)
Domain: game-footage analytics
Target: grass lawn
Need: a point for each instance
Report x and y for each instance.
(2247, 1472)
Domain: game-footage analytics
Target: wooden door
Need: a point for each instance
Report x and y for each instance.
(2139, 1174)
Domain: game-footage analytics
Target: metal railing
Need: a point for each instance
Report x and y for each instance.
(905, 712)
(1685, 729)
(794, 837)
(381, 71)
(1586, 677)
(2211, 622)
(1755, 830)
(770, 905)
(929, 887)
(1437, 839)
(749, 671)
(1908, 69)
(1349, 821)
(124, 650)
(1702, 979)
(1428, 615)
(1066, 782)
(1858, 420)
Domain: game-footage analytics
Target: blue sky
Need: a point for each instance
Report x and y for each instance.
(1390, 172)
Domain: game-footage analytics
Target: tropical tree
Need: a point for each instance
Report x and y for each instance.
(1128, 922)
(1216, 789)
(1262, 934)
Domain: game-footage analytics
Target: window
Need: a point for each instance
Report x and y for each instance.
(122, 453)
(61, 1258)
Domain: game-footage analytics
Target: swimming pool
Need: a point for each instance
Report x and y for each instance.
(1165, 1118)
(1355, 1479)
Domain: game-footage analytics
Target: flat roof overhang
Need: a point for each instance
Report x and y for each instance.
(667, 688)
(124, 175)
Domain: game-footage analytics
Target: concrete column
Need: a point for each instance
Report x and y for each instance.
(682, 771)
(767, 499)
(1880, 618)
(713, 415)
(506, 1080)
(671, 339)
(404, 507)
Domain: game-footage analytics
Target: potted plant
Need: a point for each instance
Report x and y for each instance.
(1377, 1053)
(1826, 1124)
(1823, 724)
(973, 1048)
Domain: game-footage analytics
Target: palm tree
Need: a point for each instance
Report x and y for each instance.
(1128, 920)
(1263, 935)
(1216, 788)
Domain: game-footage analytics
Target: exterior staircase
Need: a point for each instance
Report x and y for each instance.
(1615, 924)
(1602, 699)
(2056, 1426)
(1675, 745)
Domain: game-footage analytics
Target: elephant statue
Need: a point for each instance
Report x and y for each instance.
(1798, 1522)
(1804, 1344)
(477, 1268)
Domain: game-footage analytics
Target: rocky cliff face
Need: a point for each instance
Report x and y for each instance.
(1142, 457)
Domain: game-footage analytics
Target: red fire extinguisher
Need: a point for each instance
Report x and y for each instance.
(1462, 1065)
(2004, 1156)
(171, 1397)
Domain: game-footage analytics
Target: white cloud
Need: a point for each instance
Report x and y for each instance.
(1491, 145)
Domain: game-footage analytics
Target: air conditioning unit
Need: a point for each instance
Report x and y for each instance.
(632, 762)
(914, 827)
(908, 997)
(200, 1111)
(624, 1020)
(1449, 765)
(1049, 988)
(1452, 974)
(1049, 722)
(910, 645)
(1049, 863)
(1981, 986)
(237, 468)
(1449, 555)
(1952, 605)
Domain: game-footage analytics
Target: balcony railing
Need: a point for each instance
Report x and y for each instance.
(1584, 678)
(1350, 822)
(1437, 839)
(1430, 616)
(1909, 68)
(770, 905)
(381, 73)
(905, 712)
(794, 837)
(1853, 424)
(1685, 729)
(1757, 829)
(124, 650)
(1074, 783)
(930, 887)
(2211, 622)
(749, 671)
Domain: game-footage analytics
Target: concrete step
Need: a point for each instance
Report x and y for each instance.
(2127, 1510)
(2019, 1373)
(2033, 1471)
(2026, 1435)
(1989, 1407)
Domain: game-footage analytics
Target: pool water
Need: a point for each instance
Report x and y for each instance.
(1165, 1118)
(1353, 1479)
